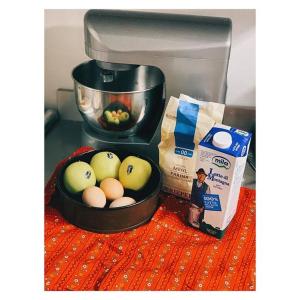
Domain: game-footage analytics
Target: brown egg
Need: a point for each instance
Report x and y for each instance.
(112, 188)
(94, 196)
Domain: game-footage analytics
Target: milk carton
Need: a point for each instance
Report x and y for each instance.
(220, 165)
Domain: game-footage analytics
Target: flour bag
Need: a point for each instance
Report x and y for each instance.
(186, 122)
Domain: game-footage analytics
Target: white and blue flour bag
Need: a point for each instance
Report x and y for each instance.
(186, 121)
(220, 165)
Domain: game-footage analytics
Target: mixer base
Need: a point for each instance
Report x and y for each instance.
(144, 145)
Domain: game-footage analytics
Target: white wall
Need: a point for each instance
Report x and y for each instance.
(64, 49)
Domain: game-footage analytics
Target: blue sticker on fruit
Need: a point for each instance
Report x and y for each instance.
(212, 202)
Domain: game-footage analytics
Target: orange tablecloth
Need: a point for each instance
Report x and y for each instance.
(164, 254)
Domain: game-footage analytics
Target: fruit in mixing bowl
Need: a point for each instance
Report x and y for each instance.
(78, 176)
(105, 164)
(116, 117)
(124, 116)
(134, 173)
(116, 114)
(109, 117)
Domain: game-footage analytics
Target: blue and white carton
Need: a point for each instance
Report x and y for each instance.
(220, 165)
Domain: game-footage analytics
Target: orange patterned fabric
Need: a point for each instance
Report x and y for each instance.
(164, 254)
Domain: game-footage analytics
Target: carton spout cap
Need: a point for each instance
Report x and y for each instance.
(222, 139)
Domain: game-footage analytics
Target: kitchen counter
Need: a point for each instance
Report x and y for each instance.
(65, 137)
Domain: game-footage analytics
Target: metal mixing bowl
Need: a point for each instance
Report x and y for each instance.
(118, 102)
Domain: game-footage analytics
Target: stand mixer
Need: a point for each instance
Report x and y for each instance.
(139, 60)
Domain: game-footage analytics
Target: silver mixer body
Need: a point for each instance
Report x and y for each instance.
(189, 54)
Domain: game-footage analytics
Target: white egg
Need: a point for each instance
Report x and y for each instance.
(94, 196)
(123, 201)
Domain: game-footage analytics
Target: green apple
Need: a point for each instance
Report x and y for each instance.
(105, 164)
(78, 176)
(134, 173)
